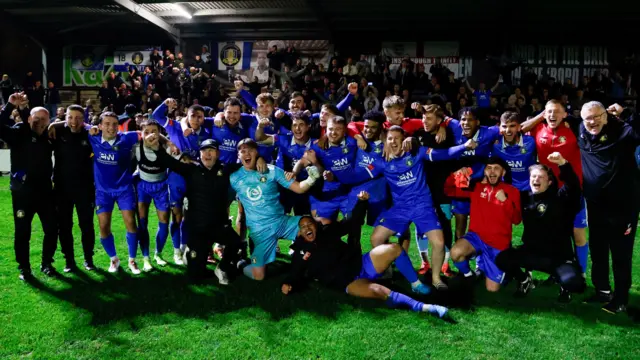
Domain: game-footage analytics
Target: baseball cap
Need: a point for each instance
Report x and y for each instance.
(209, 144)
(249, 142)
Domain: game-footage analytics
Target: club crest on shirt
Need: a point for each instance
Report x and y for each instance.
(84, 143)
(263, 179)
(20, 214)
(193, 254)
(219, 172)
(603, 138)
(254, 260)
(523, 151)
(628, 231)
(381, 220)
(345, 150)
(377, 150)
(33, 139)
(562, 139)
(409, 162)
(542, 208)
(115, 148)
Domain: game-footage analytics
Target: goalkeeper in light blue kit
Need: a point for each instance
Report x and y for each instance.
(265, 215)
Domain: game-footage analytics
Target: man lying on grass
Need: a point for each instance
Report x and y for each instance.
(320, 253)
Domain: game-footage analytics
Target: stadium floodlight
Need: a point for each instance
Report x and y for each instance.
(182, 11)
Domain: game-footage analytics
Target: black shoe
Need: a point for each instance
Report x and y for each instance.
(70, 267)
(25, 275)
(48, 269)
(600, 297)
(564, 296)
(614, 308)
(89, 266)
(524, 287)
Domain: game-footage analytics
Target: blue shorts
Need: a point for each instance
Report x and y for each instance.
(265, 238)
(462, 207)
(580, 221)
(398, 219)
(106, 200)
(329, 209)
(367, 271)
(177, 190)
(485, 257)
(158, 192)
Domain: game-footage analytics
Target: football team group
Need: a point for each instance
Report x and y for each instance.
(294, 173)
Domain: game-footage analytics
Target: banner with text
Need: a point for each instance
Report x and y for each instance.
(88, 66)
(560, 62)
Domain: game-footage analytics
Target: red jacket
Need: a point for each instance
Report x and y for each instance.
(492, 219)
(562, 140)
(409, 125)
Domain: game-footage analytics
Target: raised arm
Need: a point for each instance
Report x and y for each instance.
(531, 123)
(343, 105)
(260, 136)
(496, 85)
(466, 82)
(430, 154)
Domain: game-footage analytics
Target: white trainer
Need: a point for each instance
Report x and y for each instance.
(146, 267)
(159, 260)
(177, 257)
(115, 265)
(134, 267)
(222, 276)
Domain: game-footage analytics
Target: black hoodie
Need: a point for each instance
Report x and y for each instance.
(331, 261)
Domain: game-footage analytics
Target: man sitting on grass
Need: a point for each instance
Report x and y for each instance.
(320, 253)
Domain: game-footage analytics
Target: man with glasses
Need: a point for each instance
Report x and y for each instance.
(555, 131)
(612, 189)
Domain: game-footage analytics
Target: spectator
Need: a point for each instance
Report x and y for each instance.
(292, 57)
(179, 60)
(371, 103)
(482, 95)
(52, 98)
(155, 58)
(404, 76)
(363, 66)
(36, 94)
(422, 82)
(6, 88)
(439, 71)
(350, 70)
(28, 84)
(579, 100)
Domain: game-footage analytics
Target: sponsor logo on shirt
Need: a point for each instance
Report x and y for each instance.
(514, 163)
(254, 193)
(340, 164)
(229, 144)
(471, 152)
(406, 179)
(107, 158)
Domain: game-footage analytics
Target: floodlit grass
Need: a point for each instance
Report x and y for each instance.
(159, 315)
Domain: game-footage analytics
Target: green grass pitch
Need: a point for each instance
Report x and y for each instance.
(160, 316)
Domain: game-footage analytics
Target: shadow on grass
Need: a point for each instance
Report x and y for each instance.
(542, 299)
(115, 297)
(122, 296)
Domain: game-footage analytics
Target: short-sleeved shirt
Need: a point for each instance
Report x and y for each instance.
(112, 161)
(259, 194)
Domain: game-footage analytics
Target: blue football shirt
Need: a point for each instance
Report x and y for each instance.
(112, 161)
(519, 157)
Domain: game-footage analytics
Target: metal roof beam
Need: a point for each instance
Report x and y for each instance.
(238, 12)
(149, 16)
(241, 19)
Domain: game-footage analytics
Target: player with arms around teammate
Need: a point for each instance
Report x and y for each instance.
(338, 161)
(291, 148)
(188, 142)
(471, 165)
(31, 190)
(547, 216)
(320, 253)
(73, 179)
(404, 172)
(114, 183)
(519, 151)
(266, 219)
(151, 186)
(555, 131)
(495, 206)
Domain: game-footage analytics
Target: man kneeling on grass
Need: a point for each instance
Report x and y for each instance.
(320, 253)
